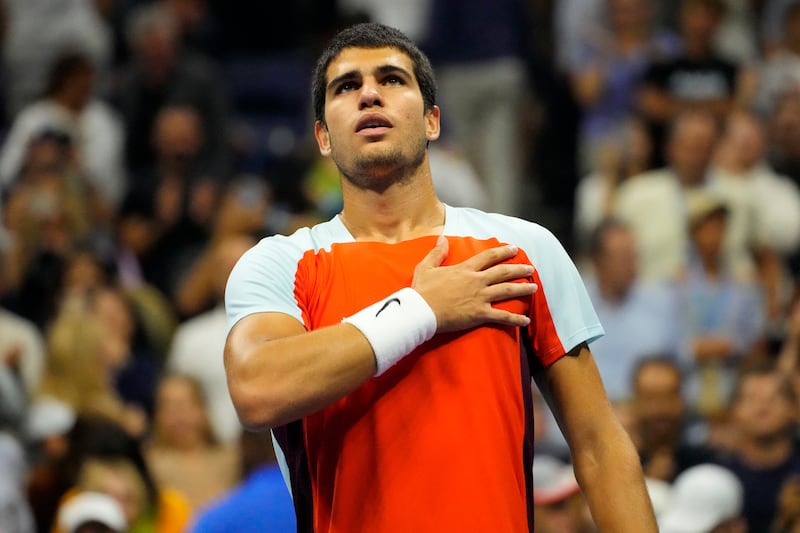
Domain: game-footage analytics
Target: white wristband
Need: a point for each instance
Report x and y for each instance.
(395, 326)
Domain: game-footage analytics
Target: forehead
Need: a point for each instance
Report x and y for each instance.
(367, 60)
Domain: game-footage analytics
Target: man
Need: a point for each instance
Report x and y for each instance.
(766, 455)
(382, 346)
(659, 417)
(640, 319)
(653, 203)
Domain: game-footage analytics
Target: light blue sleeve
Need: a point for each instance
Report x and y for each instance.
(263, 280)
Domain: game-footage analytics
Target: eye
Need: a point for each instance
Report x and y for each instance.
(393, 80)
(346, 86)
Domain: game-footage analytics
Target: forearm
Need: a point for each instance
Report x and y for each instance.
(285, 379)
(611, 477)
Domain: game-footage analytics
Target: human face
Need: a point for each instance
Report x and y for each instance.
(376, 128)
(658, 405)
(761, 410)
(180, 414)
(617, 263)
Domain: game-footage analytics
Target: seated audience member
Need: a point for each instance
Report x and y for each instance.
(21, 349)
(260, 502)
(183, 452)
(69, 106)
(108, 460)
(763, 228)
(92, 512)
(558, 504)
(724, 315)
(766, 455)
(639, 318)
(706, 498)
(198, 343)
(652, 204)
(84, 359)
(660, 422)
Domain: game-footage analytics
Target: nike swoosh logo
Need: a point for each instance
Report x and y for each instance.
(389, 301)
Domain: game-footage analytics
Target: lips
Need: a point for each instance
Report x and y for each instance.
(372, 122)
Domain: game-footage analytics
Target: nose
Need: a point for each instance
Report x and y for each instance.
(370, 95)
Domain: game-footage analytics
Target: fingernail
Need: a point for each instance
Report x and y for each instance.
(512, 248)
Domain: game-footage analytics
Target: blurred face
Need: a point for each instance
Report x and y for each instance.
(118, 479)
(709, 235)
(745, 138)
(376, 129)
(79, 87)
(699, 22)
(761, 410)
(657, 404)
(567, 516)
(178, 134)
(180, 415)
(690, 148)
(628, 14)
(616, 264)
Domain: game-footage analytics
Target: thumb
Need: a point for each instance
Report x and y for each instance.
(437, 255)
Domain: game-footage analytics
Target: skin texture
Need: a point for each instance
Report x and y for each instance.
(279, 372)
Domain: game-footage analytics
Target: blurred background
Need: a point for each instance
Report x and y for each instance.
(145, 145)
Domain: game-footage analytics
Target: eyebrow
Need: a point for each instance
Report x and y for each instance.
(354, 74)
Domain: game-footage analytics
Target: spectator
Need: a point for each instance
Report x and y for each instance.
(640, 318)
(183, 452)
(724, 315)
(660, 421)
(109, 461)
(764, 220)
(70, 106)
(764, 413)
(162, 74)
(706, 498)
(609, 69)
(260, 502)
(182, 197)
(84, 357)
(39, 30)
(696, 80)
(653, 203)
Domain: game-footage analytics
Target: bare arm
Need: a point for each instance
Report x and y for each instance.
(606, 463)
(278, 372)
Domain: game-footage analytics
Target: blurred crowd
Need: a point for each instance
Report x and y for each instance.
(145, 145)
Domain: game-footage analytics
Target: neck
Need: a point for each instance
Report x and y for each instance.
(766, 452)
(711, 265)
(405, 210)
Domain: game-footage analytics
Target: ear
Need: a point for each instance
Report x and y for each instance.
(323, 138)
(433, 123)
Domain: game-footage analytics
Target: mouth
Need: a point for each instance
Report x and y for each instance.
(373, 125)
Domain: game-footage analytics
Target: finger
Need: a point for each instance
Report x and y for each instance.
(507, 318)
(507, 272)
(490, 256)
(508, 290)
(437, 255)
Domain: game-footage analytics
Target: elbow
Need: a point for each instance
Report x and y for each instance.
(258, 407)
